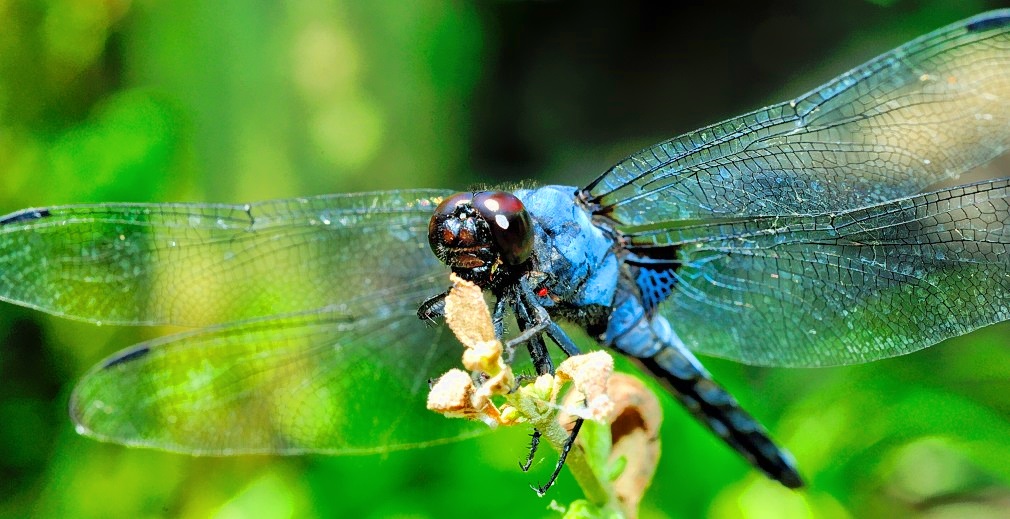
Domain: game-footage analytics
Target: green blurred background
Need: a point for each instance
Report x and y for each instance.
(113, 100)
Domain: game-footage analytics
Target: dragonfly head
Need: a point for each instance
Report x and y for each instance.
(477, 234)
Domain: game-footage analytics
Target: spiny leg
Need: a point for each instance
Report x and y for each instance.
(543, 324)
(535, 342)
(568, 346)
(498, 319)
(433, 308)
(534, 443)
(541, 490)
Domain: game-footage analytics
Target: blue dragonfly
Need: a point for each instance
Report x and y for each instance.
(814, 232)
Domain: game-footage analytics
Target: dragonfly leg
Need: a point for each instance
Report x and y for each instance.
(540, 325)
(532, 328)
(534, 443)
(498, 318)
(548, 326)
(541, 490)
(561, 338)
(433, 308)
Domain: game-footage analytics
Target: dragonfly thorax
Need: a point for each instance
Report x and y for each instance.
(476, 234)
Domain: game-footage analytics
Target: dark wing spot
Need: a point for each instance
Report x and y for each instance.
(25, 215)
(990, 21)
(656, 285)
(657, 273)
(127, 356)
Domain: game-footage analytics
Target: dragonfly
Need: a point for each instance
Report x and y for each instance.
(813, 232)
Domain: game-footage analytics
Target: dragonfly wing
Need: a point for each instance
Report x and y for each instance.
(336, 381)
(841, 288)
(924, 112)
(200, 264)
(313, 341)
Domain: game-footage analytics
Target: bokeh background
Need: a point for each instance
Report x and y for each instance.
(232, 101)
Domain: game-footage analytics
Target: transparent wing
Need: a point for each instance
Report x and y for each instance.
(924, 112)
(323, 352)
(841, 288)
(200, 264)
(325, 381)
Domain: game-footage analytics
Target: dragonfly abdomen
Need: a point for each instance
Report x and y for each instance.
(719, 411)
(655, 346)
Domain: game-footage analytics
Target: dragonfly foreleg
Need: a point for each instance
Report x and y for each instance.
(433, 308)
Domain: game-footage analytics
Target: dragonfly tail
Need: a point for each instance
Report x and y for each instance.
(716, 408)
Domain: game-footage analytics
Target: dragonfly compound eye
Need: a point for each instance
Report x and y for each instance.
(509, 223)
(445, 226)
